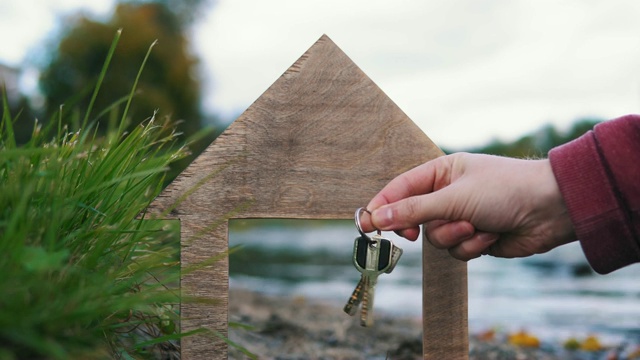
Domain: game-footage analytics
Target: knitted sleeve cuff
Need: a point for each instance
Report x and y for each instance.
(597, 212)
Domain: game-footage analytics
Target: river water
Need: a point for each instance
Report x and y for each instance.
(554, 295)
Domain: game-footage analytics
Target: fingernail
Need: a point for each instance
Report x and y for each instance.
(383, 217)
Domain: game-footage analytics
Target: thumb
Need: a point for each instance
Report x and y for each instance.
(413, 211)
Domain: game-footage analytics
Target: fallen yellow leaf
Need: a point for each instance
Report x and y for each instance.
(524, 339)
(591, 343)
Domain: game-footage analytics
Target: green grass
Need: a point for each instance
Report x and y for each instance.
(78, 268)
(81, 275)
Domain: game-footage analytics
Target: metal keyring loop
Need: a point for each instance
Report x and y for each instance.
(357, 218)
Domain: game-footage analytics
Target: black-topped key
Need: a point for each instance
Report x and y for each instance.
(372, 256)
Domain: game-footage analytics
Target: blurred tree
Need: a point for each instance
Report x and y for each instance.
(186, 11)
(539, 143)
(168, 83)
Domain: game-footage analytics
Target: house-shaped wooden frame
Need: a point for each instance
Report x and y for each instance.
(319, 143)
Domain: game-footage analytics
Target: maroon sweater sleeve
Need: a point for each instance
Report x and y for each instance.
(599, 178)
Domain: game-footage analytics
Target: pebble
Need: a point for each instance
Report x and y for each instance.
(290, 329)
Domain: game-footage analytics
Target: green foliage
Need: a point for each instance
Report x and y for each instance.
(169, 84)
(79, 268)
(83, 276)
(539, 143)
(23, 119)
(168, 88)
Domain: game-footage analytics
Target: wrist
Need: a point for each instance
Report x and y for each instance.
(551, 208)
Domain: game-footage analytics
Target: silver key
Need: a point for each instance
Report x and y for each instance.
(356, 297)
(396, 252)
(372, 257)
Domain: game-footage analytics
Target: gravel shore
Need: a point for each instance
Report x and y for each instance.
(286, 328)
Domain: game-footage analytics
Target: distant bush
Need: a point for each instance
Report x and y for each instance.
(538, 143)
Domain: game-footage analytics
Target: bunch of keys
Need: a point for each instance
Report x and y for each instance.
(372, 256)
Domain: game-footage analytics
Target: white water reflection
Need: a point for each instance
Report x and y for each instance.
(553, 293)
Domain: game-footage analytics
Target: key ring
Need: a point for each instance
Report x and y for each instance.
(357, 218)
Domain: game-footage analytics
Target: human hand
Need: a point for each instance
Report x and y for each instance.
(475, 204)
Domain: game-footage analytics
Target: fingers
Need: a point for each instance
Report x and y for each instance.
(444, 234)
(419, 180)
(413, 211)
(365, 222)
(460, 238)
(475, 246)
(411, 233)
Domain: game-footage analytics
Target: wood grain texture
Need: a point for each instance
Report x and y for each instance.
(319, 143)
(444, 305)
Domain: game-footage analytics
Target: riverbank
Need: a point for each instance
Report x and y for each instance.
(298, 328)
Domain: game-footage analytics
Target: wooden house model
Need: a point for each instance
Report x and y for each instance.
(317, 144)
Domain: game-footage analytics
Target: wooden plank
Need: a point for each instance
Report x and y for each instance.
(319, 143)
(444, 305)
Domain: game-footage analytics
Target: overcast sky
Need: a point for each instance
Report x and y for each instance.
(464, 71)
